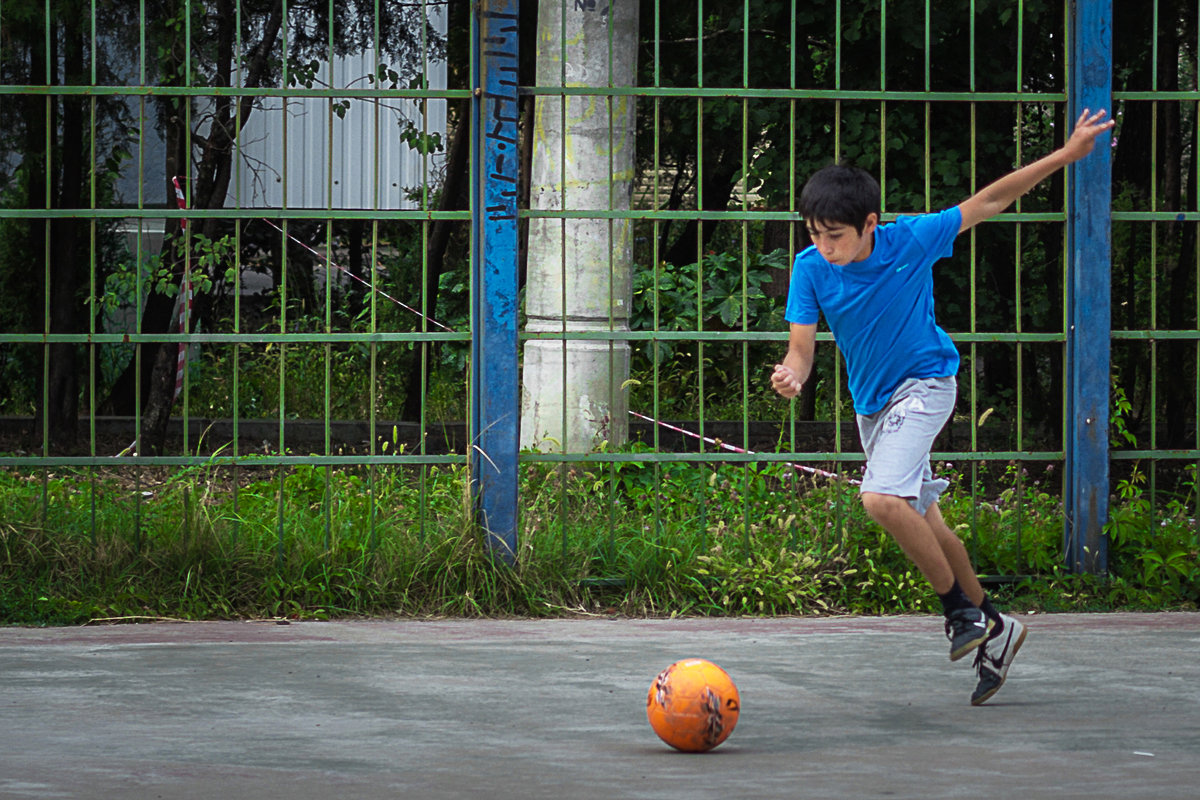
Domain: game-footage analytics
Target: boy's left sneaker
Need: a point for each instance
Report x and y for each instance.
(994, 657)
(966, 628)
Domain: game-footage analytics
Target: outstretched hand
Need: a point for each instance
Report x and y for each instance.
(995, 197)
(1087, 128)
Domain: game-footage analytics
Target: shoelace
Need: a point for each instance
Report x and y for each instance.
(981, 655)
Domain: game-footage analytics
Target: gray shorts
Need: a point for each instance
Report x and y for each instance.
(897, 440)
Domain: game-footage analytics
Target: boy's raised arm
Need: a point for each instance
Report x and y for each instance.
(995, 197)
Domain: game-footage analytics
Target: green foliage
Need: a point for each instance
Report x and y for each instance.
(1018, 529)
(1119, 433)
(208, 257)
(721, 292)
(638, 538)
(1154, 546)
(345, 378)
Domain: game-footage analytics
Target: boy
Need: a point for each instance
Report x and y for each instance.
(874, 284)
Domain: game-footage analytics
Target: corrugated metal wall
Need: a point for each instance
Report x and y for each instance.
(357, 160)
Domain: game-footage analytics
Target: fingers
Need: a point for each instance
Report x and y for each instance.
(1089, 120)
(1088, 128)
(783, 381)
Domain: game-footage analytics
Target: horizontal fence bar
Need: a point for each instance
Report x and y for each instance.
(1178, 95)
(526, 457)
(1156, 455)
(319, 214)
(81, 90)
(759, 336)
(761, 457)
(229, 461)
(231, 338)
(1155, 335)
(432, 336)
(307, 214)
(1156, 216)
(691, 93)
(872, 95)
(718, 216)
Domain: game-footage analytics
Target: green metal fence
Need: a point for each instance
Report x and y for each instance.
(936, 106)
(134, 175)
(313, 393)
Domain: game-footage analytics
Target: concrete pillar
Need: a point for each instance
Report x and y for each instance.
(579, 269)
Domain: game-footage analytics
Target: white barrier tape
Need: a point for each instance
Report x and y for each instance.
(726, 446)
(321, 256)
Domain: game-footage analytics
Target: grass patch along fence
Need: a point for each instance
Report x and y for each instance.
(315, 542)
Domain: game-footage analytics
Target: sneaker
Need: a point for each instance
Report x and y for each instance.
(993, 659)
(966, 628)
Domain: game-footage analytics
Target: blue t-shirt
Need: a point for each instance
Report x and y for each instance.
(880, 310)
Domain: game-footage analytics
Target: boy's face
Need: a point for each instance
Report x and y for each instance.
(842, 244)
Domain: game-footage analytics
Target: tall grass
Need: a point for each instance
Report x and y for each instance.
(632, 538)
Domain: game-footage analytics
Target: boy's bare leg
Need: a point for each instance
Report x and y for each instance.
(916, 537)
(956, 554)
(924, 540)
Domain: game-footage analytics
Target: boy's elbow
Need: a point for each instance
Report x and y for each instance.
(970, 218)
(977, 210)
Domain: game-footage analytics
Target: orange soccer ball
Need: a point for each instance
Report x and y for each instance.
(693, 705)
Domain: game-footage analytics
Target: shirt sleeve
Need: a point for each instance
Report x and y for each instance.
(802, 307)
(937, 232)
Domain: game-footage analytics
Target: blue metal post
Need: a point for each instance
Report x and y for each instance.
(1088, 296)
(495, 379)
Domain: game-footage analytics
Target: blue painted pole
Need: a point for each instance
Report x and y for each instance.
(495, 378)
(1088, 296)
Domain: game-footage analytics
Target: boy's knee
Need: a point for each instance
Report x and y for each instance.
(883, 507)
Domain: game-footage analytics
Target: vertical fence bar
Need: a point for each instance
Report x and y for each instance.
(495, 398)
(1088, 296)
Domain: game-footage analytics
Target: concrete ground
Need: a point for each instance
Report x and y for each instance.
(1096, 706)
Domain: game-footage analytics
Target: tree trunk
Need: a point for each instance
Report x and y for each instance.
(1176, 393)
(62, 415)
(439, 238)
(721, 170)
(37, 190)
(159, 360)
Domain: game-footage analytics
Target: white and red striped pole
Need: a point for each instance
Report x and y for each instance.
(185, 297)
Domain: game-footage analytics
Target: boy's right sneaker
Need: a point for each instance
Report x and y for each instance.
(994, 658)
(966, 628)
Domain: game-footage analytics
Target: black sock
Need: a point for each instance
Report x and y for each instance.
(955, 599)
(990, 610)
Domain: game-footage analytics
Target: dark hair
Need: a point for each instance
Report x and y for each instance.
(840, 193)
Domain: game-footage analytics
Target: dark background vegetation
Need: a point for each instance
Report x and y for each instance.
(712, 153)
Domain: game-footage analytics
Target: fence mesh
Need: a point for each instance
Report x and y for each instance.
(321, 240)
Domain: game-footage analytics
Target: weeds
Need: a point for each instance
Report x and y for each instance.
(631, 538)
